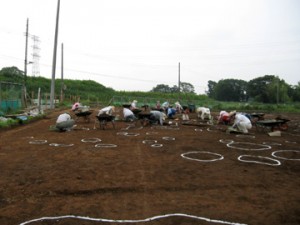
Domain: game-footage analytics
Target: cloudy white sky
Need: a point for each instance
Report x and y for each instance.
(136, 44)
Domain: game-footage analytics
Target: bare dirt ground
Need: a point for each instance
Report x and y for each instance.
(194, 178)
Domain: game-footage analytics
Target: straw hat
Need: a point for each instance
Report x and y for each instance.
(232, 113)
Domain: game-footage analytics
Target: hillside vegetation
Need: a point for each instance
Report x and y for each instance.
(89, 92)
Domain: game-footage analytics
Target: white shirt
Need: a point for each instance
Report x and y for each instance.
(158, 115)
(63, 117)
(107, 110)
(240, 118)
(127, 112)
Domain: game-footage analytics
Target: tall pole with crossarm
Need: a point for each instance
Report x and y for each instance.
(25, 67)
(52, 93)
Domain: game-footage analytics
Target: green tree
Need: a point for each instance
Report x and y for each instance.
(294, 92)
(211, 89)
(163, 88)
(187, 88)
(268, 89)
(11, 74)
(231, 90)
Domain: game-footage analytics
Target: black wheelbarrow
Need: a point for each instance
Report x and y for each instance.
(144, 118)
(273, 124)
(83, 114)
(103, 121)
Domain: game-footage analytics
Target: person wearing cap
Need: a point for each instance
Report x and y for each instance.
(241, 122)
(224, 118)
(109, 110)
(76, 106)
(157, 116)
(165, 106)
(64, 122)
(178, 107)
(133, 105)
(203, 113)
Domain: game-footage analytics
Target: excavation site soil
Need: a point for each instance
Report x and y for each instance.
(177, 174)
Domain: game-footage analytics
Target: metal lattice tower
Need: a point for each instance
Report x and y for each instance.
(35, 56)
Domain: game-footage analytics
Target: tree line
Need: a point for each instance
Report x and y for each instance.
(265, 89)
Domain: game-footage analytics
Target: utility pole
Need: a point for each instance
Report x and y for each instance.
(25, 65)
(62, 73)
(52, 94)
(179, 77)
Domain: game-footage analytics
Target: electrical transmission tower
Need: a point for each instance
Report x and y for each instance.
(35, 56)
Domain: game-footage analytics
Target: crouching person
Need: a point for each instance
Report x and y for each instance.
(64, 122)
(241, 122)
(203, 113)
(157, 117)
(128, 115)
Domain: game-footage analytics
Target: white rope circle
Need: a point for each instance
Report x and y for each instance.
(226, 141)
(60, 145)
(93, 140)
(280, 157)
(202, 152)
(38, 142)
(149, 141)
(156, 145)
(157, 217)
(263, 147)
(168, 138)
(256, 158)
(105, 146)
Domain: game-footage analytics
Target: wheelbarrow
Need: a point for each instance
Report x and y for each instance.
(273, 124)
(83, 114)
(144, 118)
(103, 120)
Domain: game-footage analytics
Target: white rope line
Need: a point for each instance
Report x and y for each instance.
(168, 138)
(280, 157)
(131, 221)
(38, 142)
(202, 152)
(122, 133)
(93, 140)
(226, 141)
(60, 145)
(245, 136)
(151, 133)
(277, 162)
(132, 134)
(105, 146)
(149, 141)
(271, 143)
(291, 142)
(156, 145)
(198, 130)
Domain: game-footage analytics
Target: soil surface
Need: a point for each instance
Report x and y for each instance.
(193, 174)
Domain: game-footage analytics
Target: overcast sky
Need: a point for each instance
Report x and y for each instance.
(136, 44)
